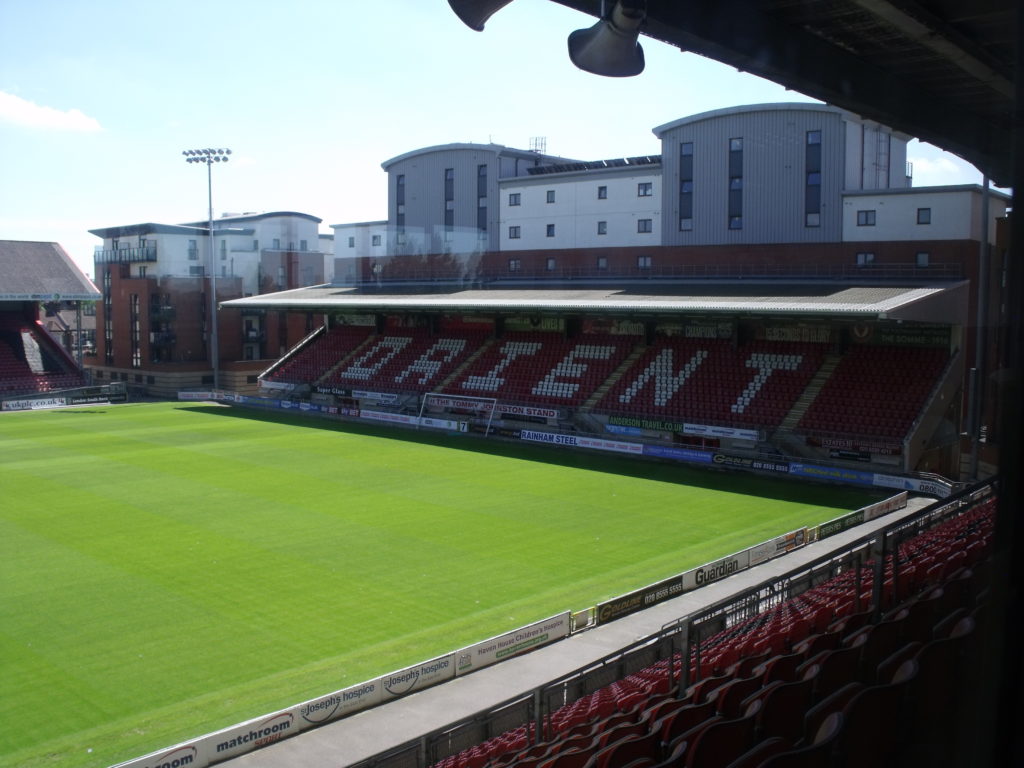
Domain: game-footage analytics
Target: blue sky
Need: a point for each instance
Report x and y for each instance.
(98, 99)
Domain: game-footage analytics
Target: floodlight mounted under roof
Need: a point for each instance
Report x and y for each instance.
(610, 47)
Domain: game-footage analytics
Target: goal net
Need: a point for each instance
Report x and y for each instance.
(482, 406)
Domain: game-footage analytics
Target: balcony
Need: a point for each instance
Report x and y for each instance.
(162, 314)
(253, 335)
(125, 255)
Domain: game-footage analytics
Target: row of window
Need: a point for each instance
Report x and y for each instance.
(867, 218)
(863, 259)
(374, 240)
(643, 189)
(601, 263)
(643, 226)
(867, 258)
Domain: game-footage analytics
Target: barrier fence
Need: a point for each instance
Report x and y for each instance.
(679, 643)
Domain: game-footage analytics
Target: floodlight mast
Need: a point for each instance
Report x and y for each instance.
(209, 157)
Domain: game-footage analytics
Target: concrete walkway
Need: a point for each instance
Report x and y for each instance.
(372, 731)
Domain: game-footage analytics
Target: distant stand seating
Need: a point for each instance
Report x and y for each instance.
(310, 363)
(708, 381)
(16, 374)
(543, 368)
(406, 360)
(774, 683)
(876, 391)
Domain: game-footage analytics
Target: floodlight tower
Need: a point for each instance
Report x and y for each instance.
(209, 157)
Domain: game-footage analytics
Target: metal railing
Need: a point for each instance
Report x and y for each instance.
(680, 643)
(125, 255)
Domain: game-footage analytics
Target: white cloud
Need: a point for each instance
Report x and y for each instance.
(936, 166)
(19, 111)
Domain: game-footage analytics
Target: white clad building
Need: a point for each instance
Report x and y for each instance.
(920, 213)
(605, 205)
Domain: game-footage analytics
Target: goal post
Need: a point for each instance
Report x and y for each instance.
(464, 402)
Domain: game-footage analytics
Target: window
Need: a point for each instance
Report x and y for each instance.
(375, 240)
(643, 225)
(449, 183)
(351, 242)
(924, 215)
(644, 262)
(864, 259)
(550, 264)
(142, 270)
(277, 244)
(735, 211)
(602, 262)
(551, 196)
(644, 189)
(481, 180)
(812, 188)
(551, 230)
(255, 245)
(302, 245)
(602, 227)
(922, 259)
(686, 186)
(193, 250)
(513, 232)
(865, 218)
(514, 198)
(602, 193)
(514, 265)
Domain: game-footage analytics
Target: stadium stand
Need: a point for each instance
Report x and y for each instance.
(876, 391)
(710, 381)
(406, 360)
(312, 360)
(813, 681)
(543, 368)
(31, 361)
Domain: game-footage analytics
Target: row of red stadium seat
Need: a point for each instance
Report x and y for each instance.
(876, 391)
(707, 381)
(811, 678)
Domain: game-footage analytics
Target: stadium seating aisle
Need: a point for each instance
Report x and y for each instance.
(709, 381)
(16, 375)
(406, 360)
(876, 391)
(543, 368)
(805, 703)
(314, 360)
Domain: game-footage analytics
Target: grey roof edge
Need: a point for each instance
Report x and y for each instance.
(374, 223)
(937, 188)
(742, 109)
(345, 298)
(496, 149)
(258, 216)
(146, 228)
(648, 169)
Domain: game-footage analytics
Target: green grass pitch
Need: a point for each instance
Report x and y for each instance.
(169, 569)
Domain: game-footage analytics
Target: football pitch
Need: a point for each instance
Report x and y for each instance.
(169, 569)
